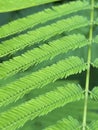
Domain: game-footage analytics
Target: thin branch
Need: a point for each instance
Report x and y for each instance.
(88, 66)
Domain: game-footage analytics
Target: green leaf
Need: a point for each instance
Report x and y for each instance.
(95, 63)
(13, 5)
(96, 39)
(30, 21)
(65, 124)
(39, 79)
(17, 116)
(41, 34)
(94, 93)
(44, 52)
(93, 125)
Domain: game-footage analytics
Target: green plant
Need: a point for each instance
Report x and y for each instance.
(44, 39)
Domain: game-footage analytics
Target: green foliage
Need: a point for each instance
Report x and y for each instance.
(42, 53)
(94, 93)
(41, 17)
(38, 52)
(94, 125)
(95, 63)
(13, 5)
(64, 68)
(67, 124)
(41, 34)
(40, 106)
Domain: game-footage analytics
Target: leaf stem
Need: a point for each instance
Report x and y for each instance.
(88, 66)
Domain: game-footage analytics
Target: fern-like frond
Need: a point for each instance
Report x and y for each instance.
(44, 52)
(41, 17)
(96, 22)
(13, 5)
(39, 79)
(95, 63)
(65, 124)
(93, 125)
(96, 39)
(94, 94)
(17, 116)
(43, 33)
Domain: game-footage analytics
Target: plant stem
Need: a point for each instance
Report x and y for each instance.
(88, 66)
